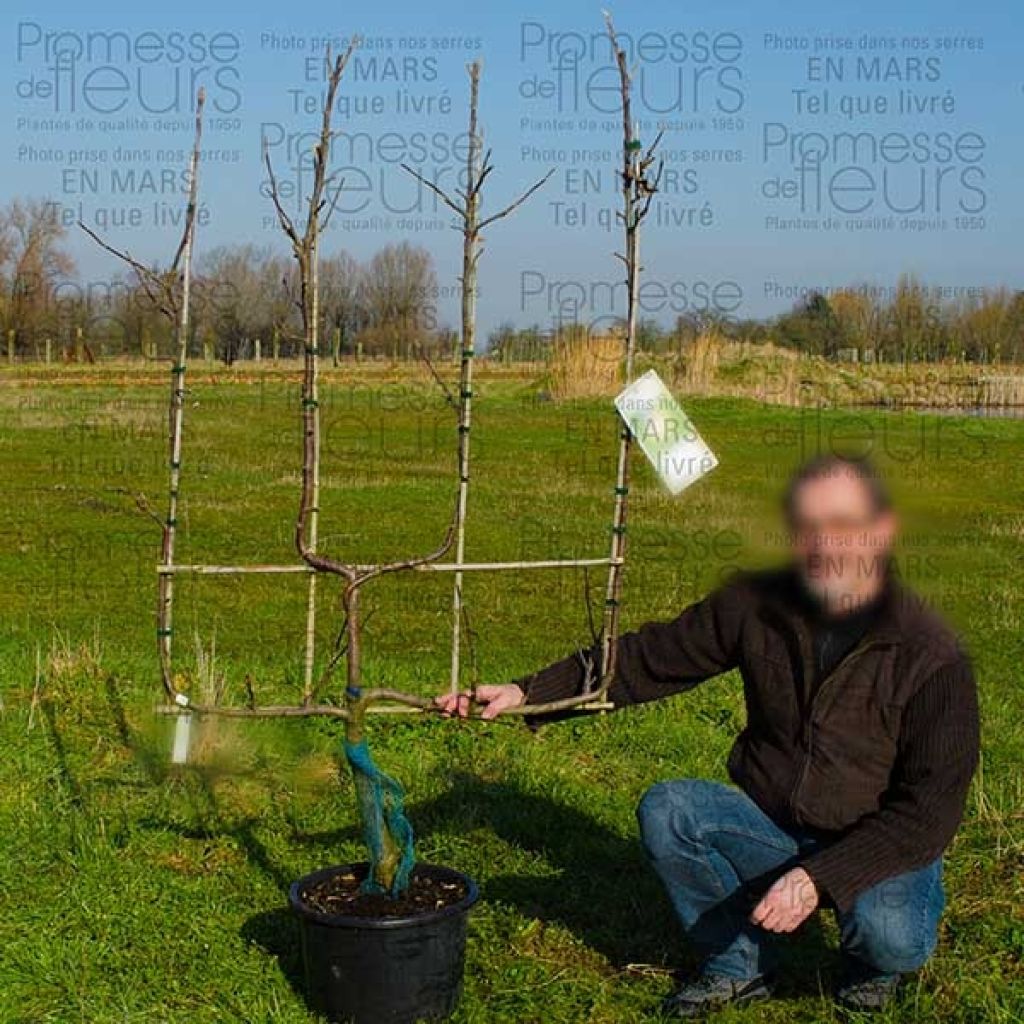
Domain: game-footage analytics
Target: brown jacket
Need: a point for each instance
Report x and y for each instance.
(878, 760)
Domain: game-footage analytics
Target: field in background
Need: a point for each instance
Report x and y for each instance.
(576, 365)
(711, 364)
(137, 893)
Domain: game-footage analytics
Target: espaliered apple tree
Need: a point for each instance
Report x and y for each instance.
(385, 827)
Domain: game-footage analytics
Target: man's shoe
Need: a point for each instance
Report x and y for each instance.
(712, 991)
(866, 991)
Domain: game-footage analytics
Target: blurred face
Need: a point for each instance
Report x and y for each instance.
(839, 541)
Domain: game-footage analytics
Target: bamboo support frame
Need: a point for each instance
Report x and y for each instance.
(637, 192)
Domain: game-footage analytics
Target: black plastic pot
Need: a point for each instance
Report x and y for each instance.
(394, 970)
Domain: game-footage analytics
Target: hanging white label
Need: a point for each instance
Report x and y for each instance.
(664, 432)
(182, 735)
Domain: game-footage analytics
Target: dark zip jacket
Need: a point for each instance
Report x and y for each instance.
(876, 758)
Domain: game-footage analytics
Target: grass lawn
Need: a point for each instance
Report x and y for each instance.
(135, 892)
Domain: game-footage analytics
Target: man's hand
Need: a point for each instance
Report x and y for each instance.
(494, 698)
(788, 903)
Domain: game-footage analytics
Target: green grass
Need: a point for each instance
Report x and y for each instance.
(132, 892)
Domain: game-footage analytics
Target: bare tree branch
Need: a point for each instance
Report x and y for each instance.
(190, 211)
(148, 278)
(516, 203)
(333, 204)
(282, 216)
(448, 396)
(440, 193)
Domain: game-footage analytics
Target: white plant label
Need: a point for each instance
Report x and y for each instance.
(664, 432)
(182, 736)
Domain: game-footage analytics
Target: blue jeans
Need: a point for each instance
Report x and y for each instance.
(716, 852)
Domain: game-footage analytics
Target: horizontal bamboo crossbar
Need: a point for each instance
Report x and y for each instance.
(240, 570)
(575, 704)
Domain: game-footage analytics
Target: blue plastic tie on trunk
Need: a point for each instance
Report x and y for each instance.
(381, 809)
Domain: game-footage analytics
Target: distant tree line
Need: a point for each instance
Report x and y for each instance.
(912, 324)
(909, 323)
(245, 302)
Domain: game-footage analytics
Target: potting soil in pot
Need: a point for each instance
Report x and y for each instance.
(342, 894)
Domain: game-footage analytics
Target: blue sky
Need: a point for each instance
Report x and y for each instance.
(806, 145)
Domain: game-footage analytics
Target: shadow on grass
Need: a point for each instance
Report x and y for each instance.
(601, 888)
(276, 932)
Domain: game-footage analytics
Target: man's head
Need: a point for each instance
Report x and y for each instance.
(841, 527)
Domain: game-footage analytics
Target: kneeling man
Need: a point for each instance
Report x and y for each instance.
(850, 775)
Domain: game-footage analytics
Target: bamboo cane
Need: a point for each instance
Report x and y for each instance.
(404, 703)
(170, 293)
(313, 334)
(165, 610)
(636, 196)
(241, 570)
(470, 255)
